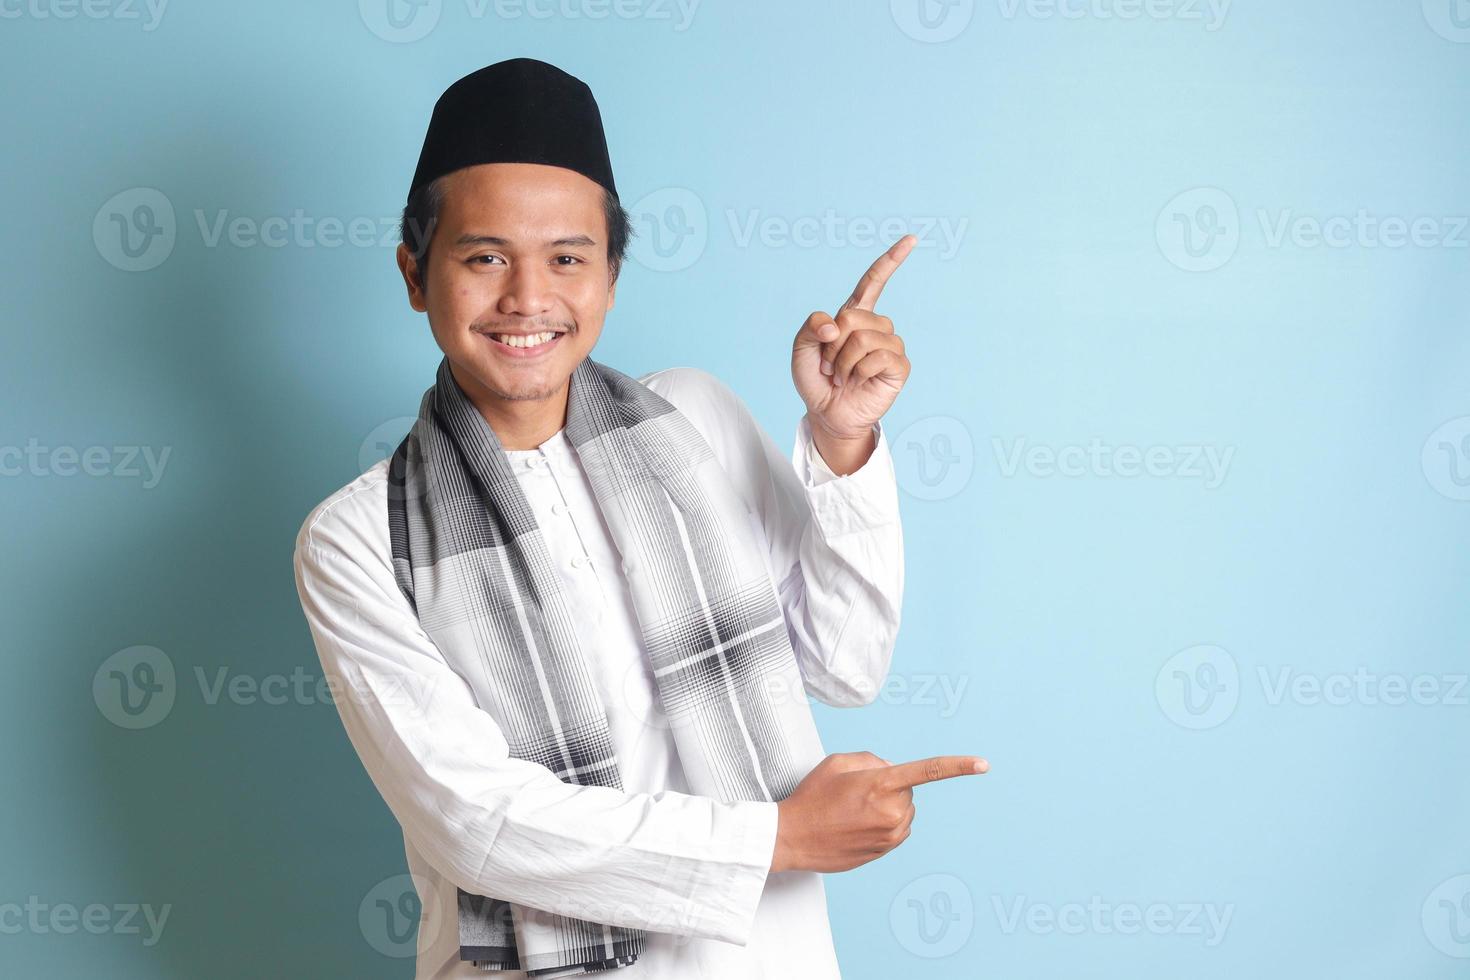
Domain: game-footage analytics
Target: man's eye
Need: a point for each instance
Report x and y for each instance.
(485, 259)
(574, 258)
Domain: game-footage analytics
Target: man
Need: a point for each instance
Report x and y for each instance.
(577, 615)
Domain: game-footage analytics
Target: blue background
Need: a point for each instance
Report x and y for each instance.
(1114, 185)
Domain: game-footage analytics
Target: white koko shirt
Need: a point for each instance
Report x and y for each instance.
(475, 818)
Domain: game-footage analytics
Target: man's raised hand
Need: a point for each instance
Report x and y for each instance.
(849, 368)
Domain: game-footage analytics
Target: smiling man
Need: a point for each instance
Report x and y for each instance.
(578, 615)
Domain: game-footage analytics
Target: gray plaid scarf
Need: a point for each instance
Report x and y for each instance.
(469, 555)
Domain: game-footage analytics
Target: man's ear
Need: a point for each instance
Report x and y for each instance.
(612, 291)
(412, 278)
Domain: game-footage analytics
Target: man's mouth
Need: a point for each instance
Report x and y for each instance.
(524, 345)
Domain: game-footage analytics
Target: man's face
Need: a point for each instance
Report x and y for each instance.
(519, 248)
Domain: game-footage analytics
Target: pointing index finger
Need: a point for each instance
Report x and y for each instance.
(865, 294)
(936, 768)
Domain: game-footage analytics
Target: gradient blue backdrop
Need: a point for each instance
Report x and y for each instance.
(1116, 206)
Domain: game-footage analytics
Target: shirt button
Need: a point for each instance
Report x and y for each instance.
(558, 508)
(581, 561)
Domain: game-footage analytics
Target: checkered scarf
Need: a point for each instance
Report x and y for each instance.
(469, 555)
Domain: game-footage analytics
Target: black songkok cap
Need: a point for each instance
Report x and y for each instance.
(516, 111)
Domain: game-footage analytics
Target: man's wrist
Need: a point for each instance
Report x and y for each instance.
(843, 454)
(781, 856)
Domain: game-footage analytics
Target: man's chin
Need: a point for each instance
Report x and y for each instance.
(524, 385)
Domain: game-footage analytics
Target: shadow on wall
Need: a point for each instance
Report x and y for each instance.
(228, 808)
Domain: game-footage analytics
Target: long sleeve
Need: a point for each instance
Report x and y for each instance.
(843, 595)
(835, 542)
(494, 825)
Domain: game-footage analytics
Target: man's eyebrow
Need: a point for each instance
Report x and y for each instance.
(569, 241)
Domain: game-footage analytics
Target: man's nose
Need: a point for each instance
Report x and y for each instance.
(527, 291)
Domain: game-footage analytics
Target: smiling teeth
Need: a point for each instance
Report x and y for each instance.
(531, 340)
